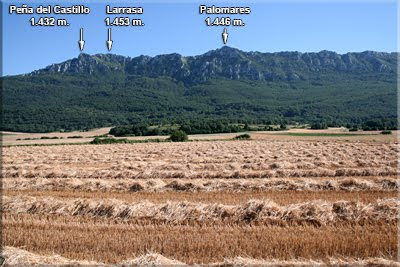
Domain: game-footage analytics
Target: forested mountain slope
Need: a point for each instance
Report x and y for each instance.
(105, 89)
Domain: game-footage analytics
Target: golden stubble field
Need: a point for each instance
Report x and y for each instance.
(285, 201)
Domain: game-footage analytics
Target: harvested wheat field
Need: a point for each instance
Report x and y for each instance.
(274, 201)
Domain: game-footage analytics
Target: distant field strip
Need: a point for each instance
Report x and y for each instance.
(324, 134)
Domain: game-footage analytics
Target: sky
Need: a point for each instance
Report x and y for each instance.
(177, 27)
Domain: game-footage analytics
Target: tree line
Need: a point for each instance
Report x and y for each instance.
(226, 126)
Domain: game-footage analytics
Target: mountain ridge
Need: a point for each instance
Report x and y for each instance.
(224, 84)
(230, 63)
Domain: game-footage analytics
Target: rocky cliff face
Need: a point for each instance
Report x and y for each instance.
(87, 64)
(231, 63)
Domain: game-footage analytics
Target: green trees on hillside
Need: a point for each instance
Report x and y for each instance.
(66, 102)
(189, 127)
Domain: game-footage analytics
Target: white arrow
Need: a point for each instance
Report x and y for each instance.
(109, 41)
(81, 41)
(225, 36)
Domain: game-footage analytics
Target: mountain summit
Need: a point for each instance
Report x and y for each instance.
(230, 63)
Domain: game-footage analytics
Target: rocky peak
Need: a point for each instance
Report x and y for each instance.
(230, 63)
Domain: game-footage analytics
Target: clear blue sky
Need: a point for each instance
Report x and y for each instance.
(307, 26)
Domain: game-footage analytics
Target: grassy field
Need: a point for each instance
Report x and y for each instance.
(275, 199)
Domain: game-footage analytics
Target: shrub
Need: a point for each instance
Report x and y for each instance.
(386, 132)
(48, 137)
(178, 136)
(98, 141)
(283, 127)
(75, 136)
(242, 137)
